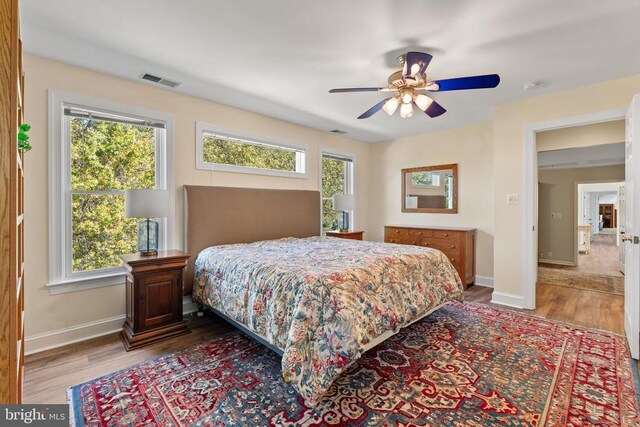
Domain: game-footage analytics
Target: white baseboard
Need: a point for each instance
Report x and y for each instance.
(557, 262)
(510, 300)
(84, 331)
(485, 281)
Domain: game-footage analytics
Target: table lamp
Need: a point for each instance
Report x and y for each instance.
(344, 203)
(148, 204)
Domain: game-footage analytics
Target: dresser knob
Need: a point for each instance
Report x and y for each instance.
(446, 235)
(413, 243)
(397, 231)
(453, 246)
(453, 260)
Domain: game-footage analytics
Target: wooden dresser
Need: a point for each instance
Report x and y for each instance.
(11, 206)
(459, 244)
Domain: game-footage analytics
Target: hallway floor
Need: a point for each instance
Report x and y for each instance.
(603, 259)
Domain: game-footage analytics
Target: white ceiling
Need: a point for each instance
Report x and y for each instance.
(280, 57)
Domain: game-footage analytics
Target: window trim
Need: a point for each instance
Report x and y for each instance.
(351, 184)
(61, 279)
(428, 186)
(202, 127)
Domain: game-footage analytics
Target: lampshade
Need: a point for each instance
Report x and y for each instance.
(344, 202)
(406, 111)
(146, 203)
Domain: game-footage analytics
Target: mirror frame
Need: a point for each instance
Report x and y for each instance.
(454, 170)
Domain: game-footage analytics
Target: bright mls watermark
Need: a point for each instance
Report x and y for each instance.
(34, 415)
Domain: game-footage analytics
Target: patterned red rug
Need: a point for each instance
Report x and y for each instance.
(466, 364)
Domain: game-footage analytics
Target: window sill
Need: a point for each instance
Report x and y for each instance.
(74, 285)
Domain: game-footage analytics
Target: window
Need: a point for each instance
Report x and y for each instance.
(337, 178)
(425, 179)
(218, 149)
(98, 153)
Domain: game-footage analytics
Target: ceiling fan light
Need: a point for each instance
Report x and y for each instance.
(422, 101)
(406, 111)
(407, 98)
(415, 68)
(391, 105)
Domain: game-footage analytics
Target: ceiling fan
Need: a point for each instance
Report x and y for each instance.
(409, 83)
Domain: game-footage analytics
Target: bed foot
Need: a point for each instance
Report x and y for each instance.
(200, 312)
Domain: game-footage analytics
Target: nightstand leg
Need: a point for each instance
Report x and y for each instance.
(200, 312)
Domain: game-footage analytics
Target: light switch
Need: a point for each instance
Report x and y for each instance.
(512, 199)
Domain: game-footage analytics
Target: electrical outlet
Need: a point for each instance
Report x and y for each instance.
(558, 215)
(549, 255)
(512, 199)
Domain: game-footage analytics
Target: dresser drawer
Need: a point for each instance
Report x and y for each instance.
(449, 246)
(417, 232)
(403, 239)
(395, 232)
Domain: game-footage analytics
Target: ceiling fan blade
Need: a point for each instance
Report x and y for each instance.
(435, 110)
(412, 58)
(357, 89)
(461, 83)
(371, 111)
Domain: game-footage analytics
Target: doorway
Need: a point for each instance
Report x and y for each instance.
(577, 211)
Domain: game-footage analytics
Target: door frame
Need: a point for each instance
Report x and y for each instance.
(576, 239)
(530, 202)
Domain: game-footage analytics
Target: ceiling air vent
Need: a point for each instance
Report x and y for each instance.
(338, 131)
(159, 80)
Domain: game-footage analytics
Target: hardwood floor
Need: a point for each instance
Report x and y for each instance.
(50, 373)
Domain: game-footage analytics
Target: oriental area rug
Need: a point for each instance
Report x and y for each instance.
(465, 364)
(576, 279)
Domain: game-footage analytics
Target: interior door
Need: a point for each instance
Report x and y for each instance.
(631, 238)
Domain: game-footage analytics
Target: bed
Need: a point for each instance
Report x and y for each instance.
(320, 302)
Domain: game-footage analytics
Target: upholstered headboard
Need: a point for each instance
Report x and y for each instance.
(224, 215)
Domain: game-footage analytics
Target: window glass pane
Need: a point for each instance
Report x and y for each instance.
(333, 177)
(330, 217)
(111, 156)
(100, 232)
(230, 152)
(425, 178)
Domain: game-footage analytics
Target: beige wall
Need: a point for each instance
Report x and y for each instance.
(46, 313)
(509, 125)
(557, 194)
(470, 147)
(581, 136)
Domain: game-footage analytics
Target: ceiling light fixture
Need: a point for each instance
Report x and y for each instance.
(422, 101)
(391, 105)
(406, 110)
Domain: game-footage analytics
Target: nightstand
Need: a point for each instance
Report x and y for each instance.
(154, 298)
(352, 235)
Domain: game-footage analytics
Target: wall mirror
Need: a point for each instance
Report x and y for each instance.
(430, 189)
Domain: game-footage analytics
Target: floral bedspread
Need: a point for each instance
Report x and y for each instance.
(323, 299)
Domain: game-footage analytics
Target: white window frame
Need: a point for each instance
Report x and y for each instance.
(302, 158)
(350, 183)
(440, 183)
(61, 277)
